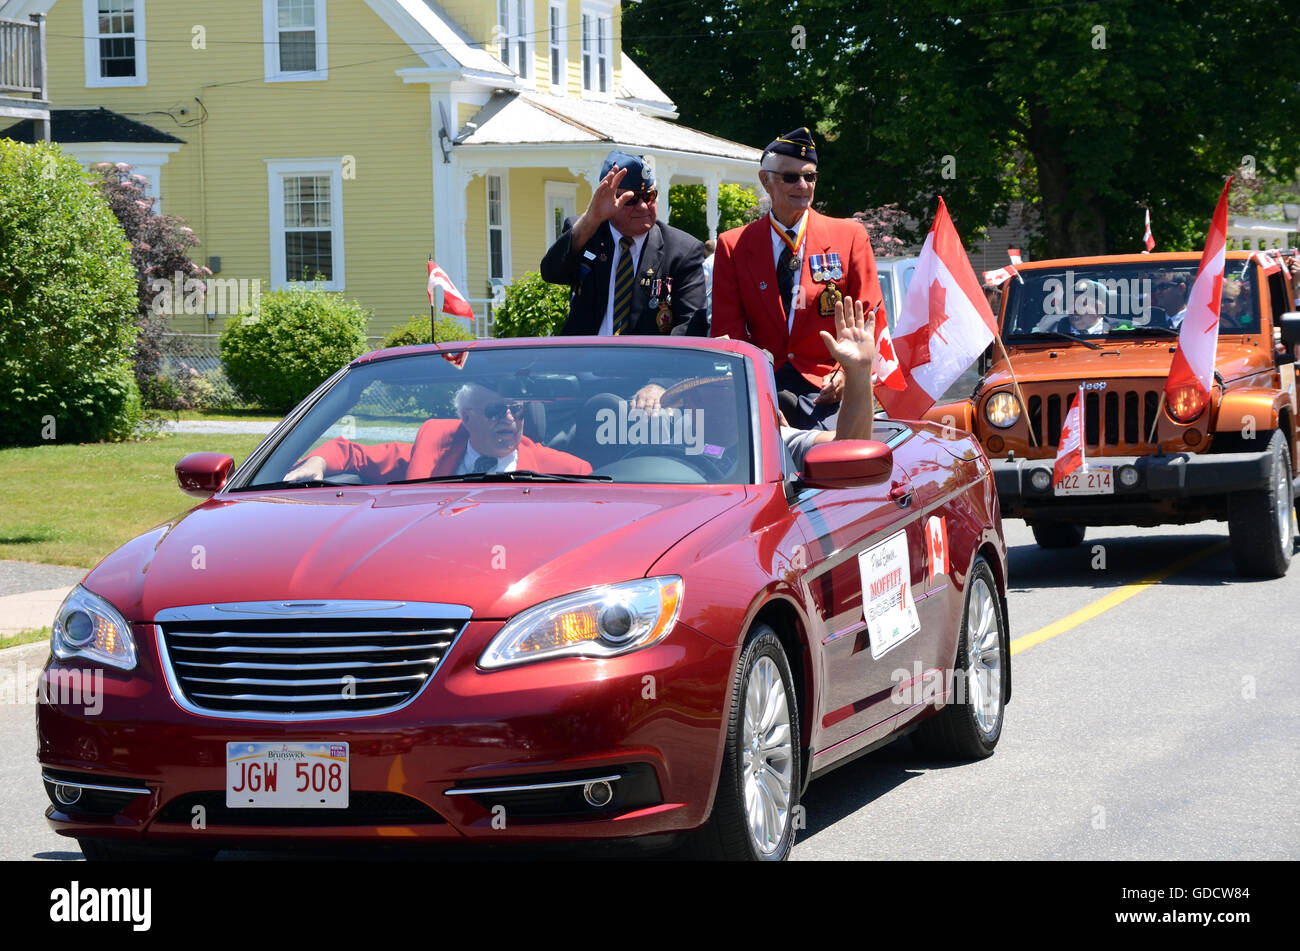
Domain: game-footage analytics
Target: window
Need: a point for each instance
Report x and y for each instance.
(114, 42)
(597, 49)
(306, 212)
(561, 203)
(513, 35)
(294, 36)
(555, 35)
(498, 238)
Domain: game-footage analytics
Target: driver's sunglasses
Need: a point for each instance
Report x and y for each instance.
(1165, 285)
(495, 411)
(791, 177)
(649, 197)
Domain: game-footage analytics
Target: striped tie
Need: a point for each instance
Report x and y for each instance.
(623, 286)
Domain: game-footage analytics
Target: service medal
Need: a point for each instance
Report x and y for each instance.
(664, 319)
(836, 274)
(826, 302)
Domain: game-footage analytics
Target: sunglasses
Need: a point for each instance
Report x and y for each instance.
(496, 411)
(791, 177)
(1165, 285)
(649, 197)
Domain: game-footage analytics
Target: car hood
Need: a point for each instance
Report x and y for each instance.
(497, 549)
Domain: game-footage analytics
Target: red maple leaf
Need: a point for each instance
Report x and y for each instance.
(937, 318)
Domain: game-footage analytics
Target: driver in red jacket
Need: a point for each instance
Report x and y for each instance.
(488, 437)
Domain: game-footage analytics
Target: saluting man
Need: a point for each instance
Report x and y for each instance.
(628, 272)
(776, 281)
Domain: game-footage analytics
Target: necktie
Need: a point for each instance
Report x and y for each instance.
(623, 286)
(784, 274)
(485, 463)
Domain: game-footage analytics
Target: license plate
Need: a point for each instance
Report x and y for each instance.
(1093, 480)
(286, 775)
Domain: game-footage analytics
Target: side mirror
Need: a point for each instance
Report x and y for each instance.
(201, 474)
(1290, 326)
(847, 463)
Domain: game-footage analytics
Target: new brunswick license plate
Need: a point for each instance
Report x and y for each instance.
(1092, 480)
(287, 775)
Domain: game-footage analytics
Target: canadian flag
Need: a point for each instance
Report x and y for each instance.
(1270, 262)
(945, 325)
(1069, 454)
(453, 301)
(1004, 274)
(936, 545)
(884, 369)
(1191, 374)
(1149, 241)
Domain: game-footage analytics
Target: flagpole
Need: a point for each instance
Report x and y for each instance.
(1155, 423)
(1033, 441)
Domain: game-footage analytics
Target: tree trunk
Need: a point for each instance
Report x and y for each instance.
(1072, 223)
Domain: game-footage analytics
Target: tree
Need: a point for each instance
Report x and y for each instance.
(736, 206)
(1090, 111)
(67, 304)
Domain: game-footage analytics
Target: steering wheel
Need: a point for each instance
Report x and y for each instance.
(710, 468)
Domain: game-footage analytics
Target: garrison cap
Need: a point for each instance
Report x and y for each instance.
(797, 144)
(639, 178)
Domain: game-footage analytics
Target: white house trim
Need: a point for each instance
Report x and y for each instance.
(91, 35)
(276, 172)
(145, 158)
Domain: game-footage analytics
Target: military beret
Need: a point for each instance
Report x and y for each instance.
(797, 144)
(639, 178)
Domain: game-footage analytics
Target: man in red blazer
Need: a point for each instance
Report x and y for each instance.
(488, 437)
(776, 281)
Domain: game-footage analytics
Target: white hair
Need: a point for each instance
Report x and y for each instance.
(465, 394)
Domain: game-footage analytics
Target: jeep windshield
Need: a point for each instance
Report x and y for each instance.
(1119, 301)
(573, 414)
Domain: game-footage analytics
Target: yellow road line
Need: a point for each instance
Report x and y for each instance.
(1118, 596)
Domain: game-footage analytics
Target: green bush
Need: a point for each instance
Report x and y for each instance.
(67, 304)
(736, 206)
(185, 388)
(295, 339)
(416, 330)
(532, 308)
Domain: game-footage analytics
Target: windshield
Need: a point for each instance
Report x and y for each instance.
(1122, 300)
(525, 414)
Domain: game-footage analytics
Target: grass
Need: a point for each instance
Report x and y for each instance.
(221, 414)
(73, 504)
(24, 637)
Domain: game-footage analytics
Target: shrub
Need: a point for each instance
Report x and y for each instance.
(186, 388)
(736, 206)
(532, 308)
(278, 354)
(416, 330)
(67, 304)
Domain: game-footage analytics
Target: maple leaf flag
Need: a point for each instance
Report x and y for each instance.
(453, 301)
(884, 368)
(944, 326)
(1069, 454)
(1149, 241)
(1191, 374)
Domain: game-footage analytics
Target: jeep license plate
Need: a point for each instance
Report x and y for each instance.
(1089, 480)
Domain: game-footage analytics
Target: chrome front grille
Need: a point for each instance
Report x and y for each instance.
(1112, 418)
(304, 660)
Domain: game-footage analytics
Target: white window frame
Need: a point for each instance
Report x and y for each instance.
(509, 34)
(90, 31)
(277, 170)
(271, 47)
(507, 270)
(589, 45)
(557, 46)
(554, 191)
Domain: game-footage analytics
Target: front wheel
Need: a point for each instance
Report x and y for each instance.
(1057, 534)
(1259, 521)
(969, 725)
(758, 790)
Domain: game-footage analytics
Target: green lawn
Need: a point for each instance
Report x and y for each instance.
(222, 414)
(72, 505)
(25, 637)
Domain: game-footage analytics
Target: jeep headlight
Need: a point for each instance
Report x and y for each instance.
(89, 627)
(1186, 403)
(600, 622)
(1002, 410)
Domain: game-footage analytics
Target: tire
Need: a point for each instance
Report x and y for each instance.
(111, 850)
(1057, 534)
(758, 789)
(1259, 521)
(970, 724)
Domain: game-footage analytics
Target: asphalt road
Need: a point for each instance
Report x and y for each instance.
(1158, 726)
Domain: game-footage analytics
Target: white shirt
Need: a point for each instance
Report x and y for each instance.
(504, 464)
(1177, 319)
(607, 322)
(779, 245)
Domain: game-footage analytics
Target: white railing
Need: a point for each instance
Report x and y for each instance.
(22, 57)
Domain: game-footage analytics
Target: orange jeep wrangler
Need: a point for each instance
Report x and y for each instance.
(1111, 324)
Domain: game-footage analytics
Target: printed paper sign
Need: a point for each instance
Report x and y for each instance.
(887, 604)
(936, 545)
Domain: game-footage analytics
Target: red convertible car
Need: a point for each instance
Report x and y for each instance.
(480, 592)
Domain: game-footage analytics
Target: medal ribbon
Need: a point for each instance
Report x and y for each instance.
(796, 245)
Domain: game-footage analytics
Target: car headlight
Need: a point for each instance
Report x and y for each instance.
(601, 622)
(88, 626)
(1002, 410)
(1186, 403)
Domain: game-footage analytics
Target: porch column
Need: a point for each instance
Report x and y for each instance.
(711, 185)
(664, 173)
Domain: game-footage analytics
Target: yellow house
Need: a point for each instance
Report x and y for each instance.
(350, 139)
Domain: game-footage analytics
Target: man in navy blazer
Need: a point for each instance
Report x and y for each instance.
(662, 283)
